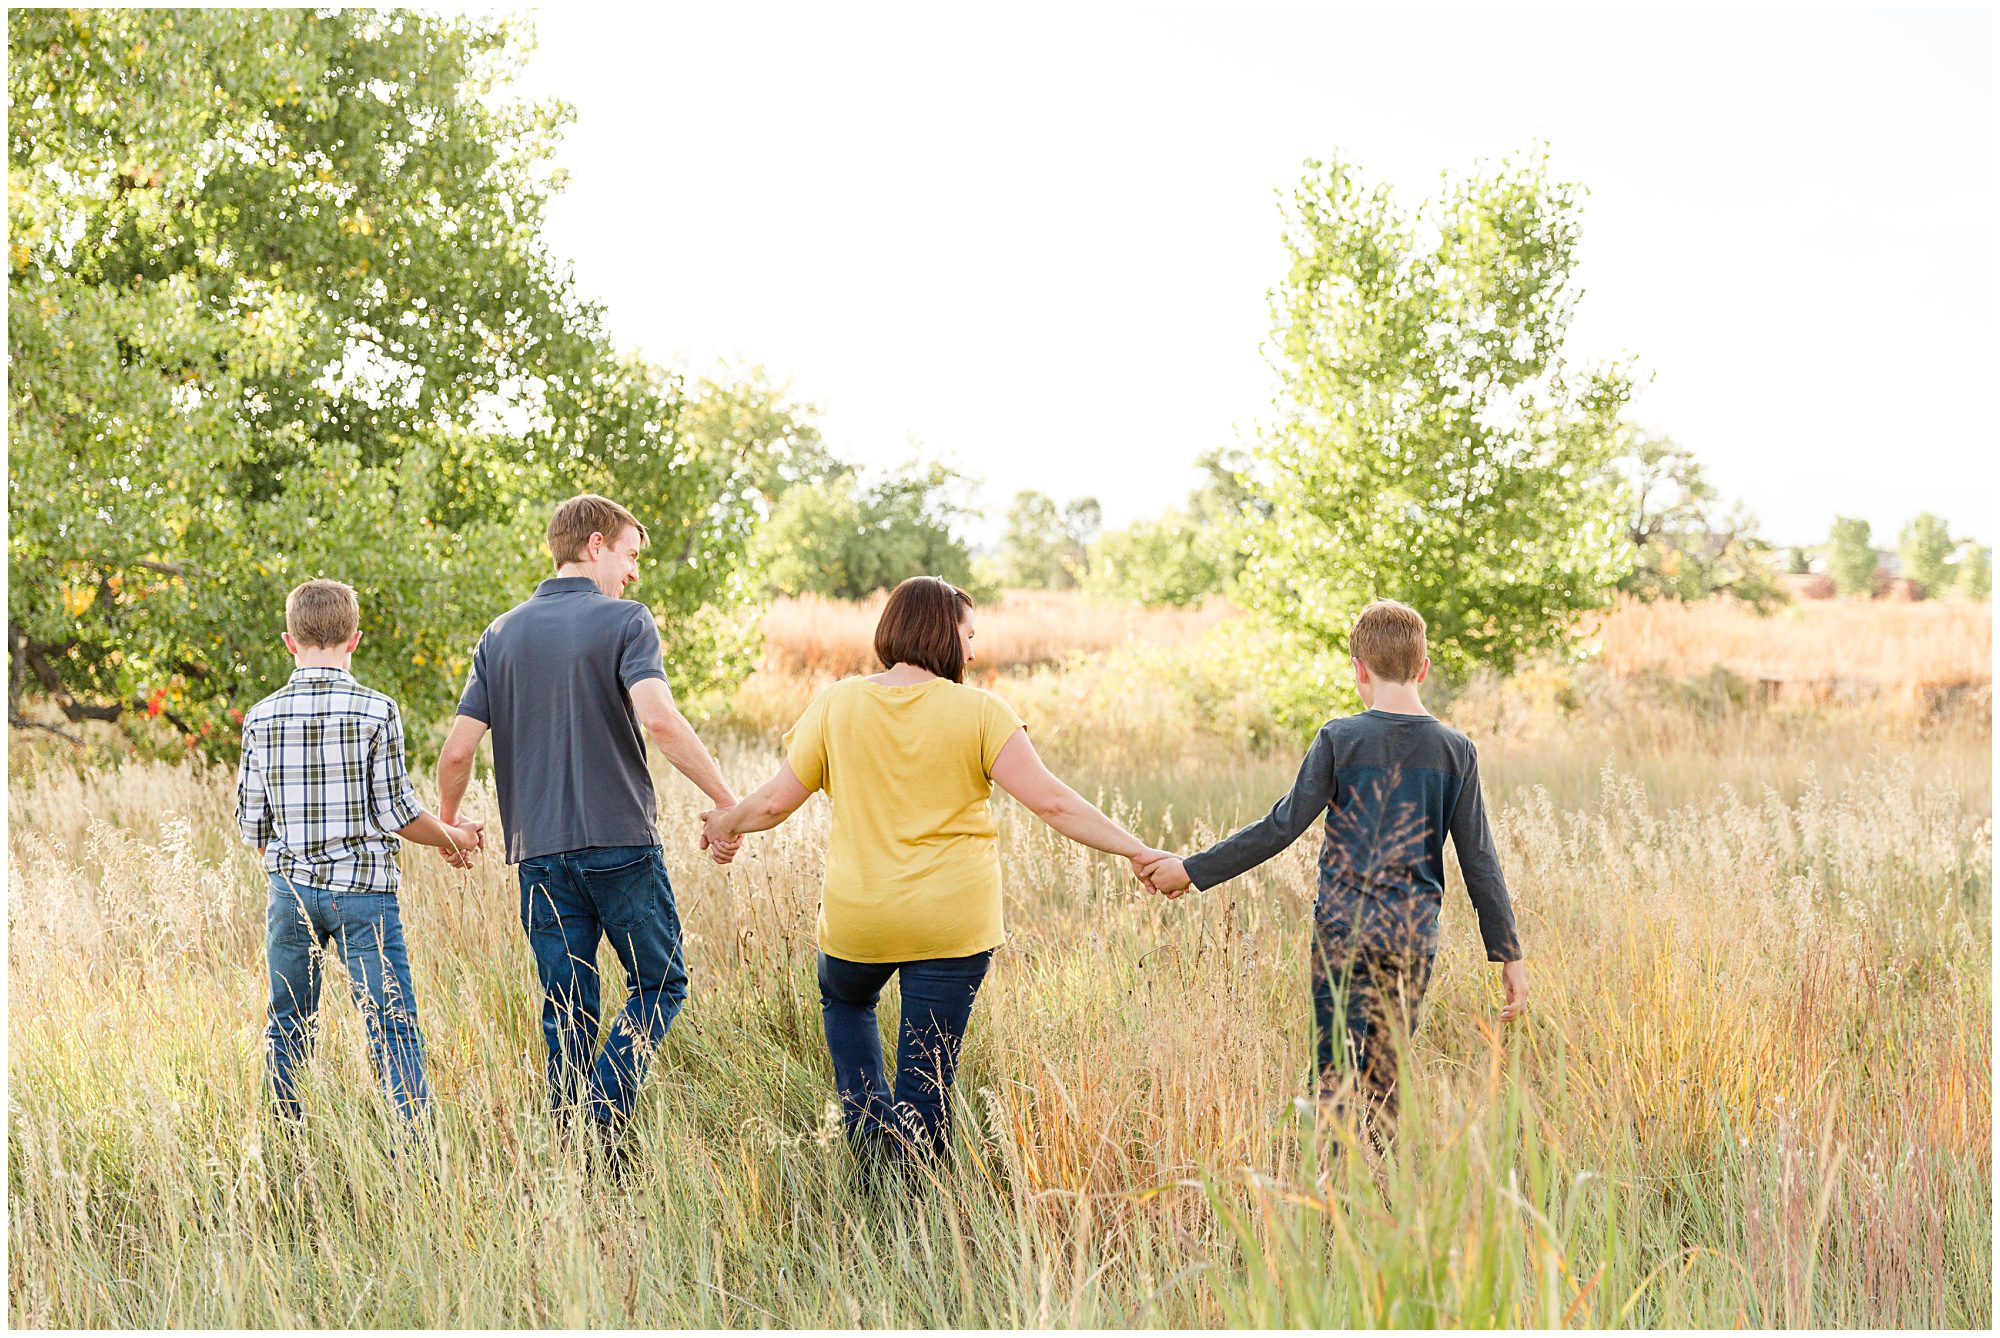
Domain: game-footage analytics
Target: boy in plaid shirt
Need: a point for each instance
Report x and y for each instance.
(323, 794)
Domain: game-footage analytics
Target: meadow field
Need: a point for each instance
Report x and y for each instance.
(1753, 1086)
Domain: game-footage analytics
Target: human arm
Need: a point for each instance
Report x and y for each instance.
(457, 840)
(253, 804)
(454, 770)
(393, 805)
(759, 811)
(653, 703)
(1020, 772)
(1472, 839)
(1307, 800)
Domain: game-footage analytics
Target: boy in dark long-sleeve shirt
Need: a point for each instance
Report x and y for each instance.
(1389, 783)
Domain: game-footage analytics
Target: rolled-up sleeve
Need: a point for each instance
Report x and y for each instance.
(253, 804)
(392, 800)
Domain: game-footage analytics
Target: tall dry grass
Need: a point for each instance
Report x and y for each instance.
(1838, 643)
(1888, 644)
(1753, 1086)
(836, 637)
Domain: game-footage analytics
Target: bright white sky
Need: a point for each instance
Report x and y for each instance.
(1037, 241)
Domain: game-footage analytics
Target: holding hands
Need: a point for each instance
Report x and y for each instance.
(1161, 872)
(471, 838)
(717, 838)
(456, 842)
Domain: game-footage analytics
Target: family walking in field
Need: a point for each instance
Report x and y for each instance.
(571, 684)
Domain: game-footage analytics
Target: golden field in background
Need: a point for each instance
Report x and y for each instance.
(1882, 642)
(1022, 628)
(1753, 1086)
(1824, 646)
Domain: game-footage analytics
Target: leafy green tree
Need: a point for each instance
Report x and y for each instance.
(1046, 546)
(1796, 561)
(1925, 548)
(1172, 560)
(1976, 572)
(1433, 443)
(770, 439)
(836, 538)
(279, 308)
(1224, 495)
(1684, 547)
(1850, 558)
(1186, 555)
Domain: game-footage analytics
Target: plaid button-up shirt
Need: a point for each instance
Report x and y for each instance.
(322, 786)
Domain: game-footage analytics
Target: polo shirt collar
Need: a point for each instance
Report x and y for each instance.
(566, 585)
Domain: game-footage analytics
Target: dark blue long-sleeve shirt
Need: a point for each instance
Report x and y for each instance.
(1390, 787)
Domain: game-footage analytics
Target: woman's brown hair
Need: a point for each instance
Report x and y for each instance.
(920, 626)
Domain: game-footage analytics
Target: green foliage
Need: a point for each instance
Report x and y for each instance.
(1432, 443)
(1186, 555)
(1046, 546)
(278, 309)
(1172, 560)
(1684, 548)
(1925, 548)
(1796, 561)
(1850, 558)
(772, 439)
(1976, 572)
(833, 537)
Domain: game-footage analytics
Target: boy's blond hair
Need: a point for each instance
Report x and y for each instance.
(1388, 637)
(322, 613)
(582, 516)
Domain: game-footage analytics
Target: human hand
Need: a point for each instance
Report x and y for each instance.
(1514, 984)
(1140, 861)
(716, 838)
(469, 836)
(1164, 873)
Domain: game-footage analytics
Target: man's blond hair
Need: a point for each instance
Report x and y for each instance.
(1388, 637)
(322, 613)
(582, 516)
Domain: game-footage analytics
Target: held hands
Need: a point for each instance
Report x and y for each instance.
(469, 834)
(716, 838)
(1161, 872)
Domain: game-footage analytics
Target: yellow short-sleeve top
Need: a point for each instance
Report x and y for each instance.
(913, 861)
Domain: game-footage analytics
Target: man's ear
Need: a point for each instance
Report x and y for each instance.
(354, 641)
(1360, 669)
(290, 645)
(1424, 669)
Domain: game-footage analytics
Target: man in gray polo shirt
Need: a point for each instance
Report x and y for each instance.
(571, 684)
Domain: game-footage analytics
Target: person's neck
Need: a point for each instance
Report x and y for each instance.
(902, 674)
(1398, 699)
(323, 659)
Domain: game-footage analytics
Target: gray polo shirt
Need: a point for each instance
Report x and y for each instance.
(552, 678)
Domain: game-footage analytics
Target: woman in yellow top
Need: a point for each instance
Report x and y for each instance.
(908, 758)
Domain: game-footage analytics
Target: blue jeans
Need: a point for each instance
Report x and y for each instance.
(569, 903)
(937, 1005)
(1367, 985)
(366, 928)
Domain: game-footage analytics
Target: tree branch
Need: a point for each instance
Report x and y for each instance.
(22, 722)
